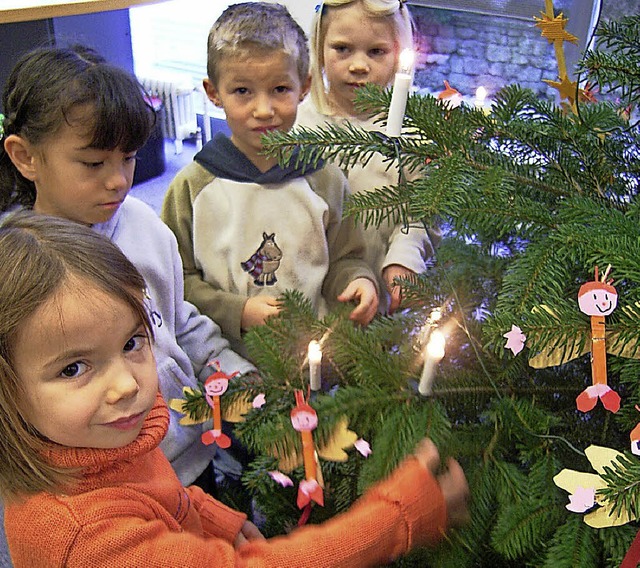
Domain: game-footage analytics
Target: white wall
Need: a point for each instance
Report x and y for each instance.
(175, 32)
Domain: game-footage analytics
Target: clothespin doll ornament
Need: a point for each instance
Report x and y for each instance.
(196, 403)
(305, 419)
(598, 299)
(214, 387)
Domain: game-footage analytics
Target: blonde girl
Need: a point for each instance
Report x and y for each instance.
(84, 481)
(375, 33)
(355, 42)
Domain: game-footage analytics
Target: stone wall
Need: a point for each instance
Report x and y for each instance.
(471, 50)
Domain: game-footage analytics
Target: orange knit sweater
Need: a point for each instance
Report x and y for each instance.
(131, 510)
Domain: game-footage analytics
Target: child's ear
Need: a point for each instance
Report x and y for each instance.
(212, 92)
(22, 154)
(306, 87)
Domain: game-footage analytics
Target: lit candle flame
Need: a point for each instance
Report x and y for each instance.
(435, 347)
(314, 355)
(481, 96)
(314, 352)
(405, 61)
(433, 354)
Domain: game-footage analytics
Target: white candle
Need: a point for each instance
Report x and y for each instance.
(401, 86)
(314, 354)
(481, 96)
(434, 352)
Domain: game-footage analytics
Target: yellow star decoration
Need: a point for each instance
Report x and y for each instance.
(566, 88)
(553, 28)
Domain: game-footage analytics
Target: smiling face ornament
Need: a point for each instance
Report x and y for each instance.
(597, 298)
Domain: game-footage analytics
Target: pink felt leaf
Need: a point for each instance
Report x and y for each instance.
(363, 447)
(259, 401)
(582, 500)
(308, 486)
(281, 478)
(515, 339)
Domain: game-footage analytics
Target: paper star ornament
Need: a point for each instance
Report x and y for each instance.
(554, 28)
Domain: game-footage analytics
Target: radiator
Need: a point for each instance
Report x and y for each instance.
(178, 115)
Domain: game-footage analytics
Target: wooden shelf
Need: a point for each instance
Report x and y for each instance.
(27, 10)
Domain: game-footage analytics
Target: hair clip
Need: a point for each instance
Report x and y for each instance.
(1, 125)
(317, 8)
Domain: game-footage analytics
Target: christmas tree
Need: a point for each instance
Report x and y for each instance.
(532, 196)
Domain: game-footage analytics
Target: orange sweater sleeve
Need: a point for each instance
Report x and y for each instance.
(404, 511)
(217, 519)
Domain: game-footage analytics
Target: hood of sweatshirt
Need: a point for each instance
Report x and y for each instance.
(220, 157)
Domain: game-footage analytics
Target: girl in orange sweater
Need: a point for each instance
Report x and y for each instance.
(82, 476)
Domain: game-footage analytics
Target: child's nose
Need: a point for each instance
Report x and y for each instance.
(118, 178)
(263, 108)
(359, 64)
(122, 385)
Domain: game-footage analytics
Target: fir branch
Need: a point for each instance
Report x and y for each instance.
(195, 405)
(623, 485)
(574, 545)
(614, 64)
(522, 529)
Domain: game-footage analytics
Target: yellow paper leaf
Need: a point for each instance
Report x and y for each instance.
(599, 457)
(570, 480)
(557, 356)
(235, 411)
(177, 404)
(601, 518)
(341, 439)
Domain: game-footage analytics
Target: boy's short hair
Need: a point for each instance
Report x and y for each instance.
(39, 256)
(243, 29)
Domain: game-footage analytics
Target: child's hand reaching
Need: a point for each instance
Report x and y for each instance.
(363, 291)
(453, 483)
(389, 274)
(257, 309)
(248, 532)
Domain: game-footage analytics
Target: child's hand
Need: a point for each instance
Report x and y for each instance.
(247, 533)
(453, 483)
(456, 493)
(389, 273)
(364, 292)
(257, 309)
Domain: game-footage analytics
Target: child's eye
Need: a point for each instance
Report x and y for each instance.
(136, 343)
(378, 52)
(340, 49)
(131, 158)
(92, 164)
(241, 90)
(74, 370)
(282, 89)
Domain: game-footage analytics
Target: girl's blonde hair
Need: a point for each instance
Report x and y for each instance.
(395, 12)
(39, 256)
